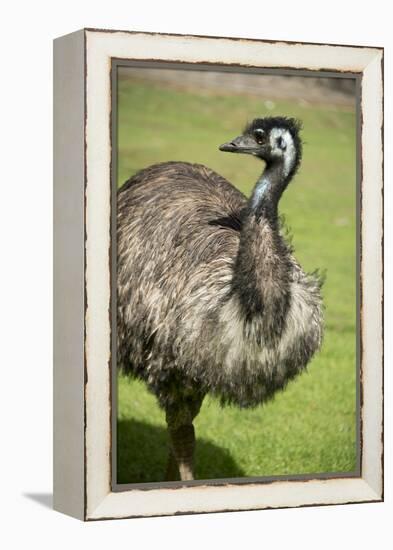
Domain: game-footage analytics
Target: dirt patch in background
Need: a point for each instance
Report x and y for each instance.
(305, 90)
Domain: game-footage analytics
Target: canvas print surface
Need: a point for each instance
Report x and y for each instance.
(236, 275)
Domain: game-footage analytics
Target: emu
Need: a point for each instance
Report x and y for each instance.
(210, 296)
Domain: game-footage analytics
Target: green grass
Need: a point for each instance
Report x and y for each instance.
(311, 426)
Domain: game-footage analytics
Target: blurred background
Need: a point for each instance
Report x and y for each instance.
(166, 114)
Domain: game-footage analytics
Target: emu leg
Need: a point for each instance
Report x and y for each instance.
(181, 431)
(183, 445)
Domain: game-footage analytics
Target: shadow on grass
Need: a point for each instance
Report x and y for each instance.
(142, 451)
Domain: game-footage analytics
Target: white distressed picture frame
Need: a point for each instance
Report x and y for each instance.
(82, 240)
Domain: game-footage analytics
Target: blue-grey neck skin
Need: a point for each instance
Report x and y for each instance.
(261, 187)
(268, 191)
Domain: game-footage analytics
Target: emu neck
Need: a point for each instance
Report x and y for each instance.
(268, 190)
(262, 268)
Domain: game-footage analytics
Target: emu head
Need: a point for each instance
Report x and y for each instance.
(271, 139)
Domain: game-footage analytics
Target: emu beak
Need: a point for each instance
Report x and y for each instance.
(241, 144)
(229, 147)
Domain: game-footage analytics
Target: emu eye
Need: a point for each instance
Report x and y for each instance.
(259, 135)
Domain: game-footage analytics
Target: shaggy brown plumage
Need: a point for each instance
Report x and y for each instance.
(210, 297)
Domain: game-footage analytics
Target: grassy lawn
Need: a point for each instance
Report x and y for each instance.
(311, 426)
